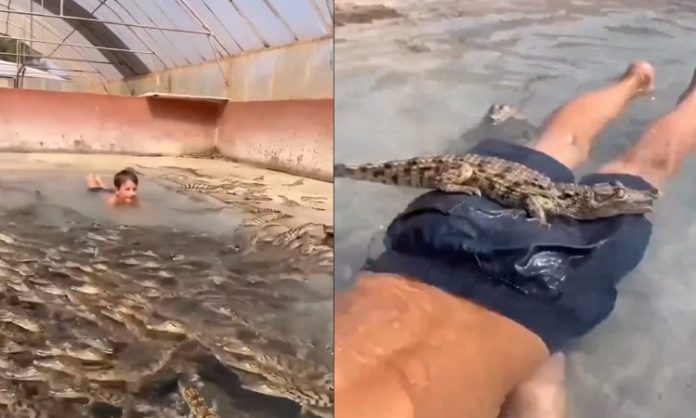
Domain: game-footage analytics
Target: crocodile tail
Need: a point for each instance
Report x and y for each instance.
(398, 171)
(368, 172)
(342, 170)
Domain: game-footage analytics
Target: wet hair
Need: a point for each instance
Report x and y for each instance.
(123, 176)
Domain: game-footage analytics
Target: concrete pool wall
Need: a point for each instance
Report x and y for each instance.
(284, 135)
(295, 136)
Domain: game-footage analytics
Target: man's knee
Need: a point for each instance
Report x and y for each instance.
(653, 169)
(570, 154)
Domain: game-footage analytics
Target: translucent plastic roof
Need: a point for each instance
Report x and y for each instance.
(144, 36)
(9, 70)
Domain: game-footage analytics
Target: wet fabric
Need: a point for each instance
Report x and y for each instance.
(558, 282)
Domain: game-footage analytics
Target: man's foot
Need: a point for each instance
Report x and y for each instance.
(542, 395)
(644, 74)
(689, 90)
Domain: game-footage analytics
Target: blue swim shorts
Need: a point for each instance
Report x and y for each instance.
(558, 282)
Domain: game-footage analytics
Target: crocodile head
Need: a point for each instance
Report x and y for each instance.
(500, 112)
(611, 199)
(604, 200)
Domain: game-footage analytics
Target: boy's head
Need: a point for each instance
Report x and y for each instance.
(126, 183)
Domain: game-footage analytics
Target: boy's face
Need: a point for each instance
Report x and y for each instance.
(127, 193)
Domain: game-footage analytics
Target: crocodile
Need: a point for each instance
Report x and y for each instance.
(292, 234)
(212, 154)
(21, 319)
(15, 333)
(95, 393)
(325, 258)
(502, 121)
(27, 374)
(312, 397)
(168, 326)
(308, 399)
(87, 289)
(265, 218)
(51, 289)
(11, 347)
(68, 349)
(200, 186)
(99, 325)
(308, 384)
(298, 182)
(310, 245)
(22, 407)
(293, 204)
(313, 199)
(120, 373)
(198, 406)
(508, 183)
(92, 339)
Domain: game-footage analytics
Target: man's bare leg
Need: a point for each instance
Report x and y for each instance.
(661, 150)
(568, 137)
(570, 131)
(656, 157)
(542, 396)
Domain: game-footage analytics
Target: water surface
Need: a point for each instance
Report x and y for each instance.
(250, 318)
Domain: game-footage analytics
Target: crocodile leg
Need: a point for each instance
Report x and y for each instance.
(534, 206)
(454, 181)
(454, 188)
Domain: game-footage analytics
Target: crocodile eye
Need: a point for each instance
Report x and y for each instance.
(620, 192)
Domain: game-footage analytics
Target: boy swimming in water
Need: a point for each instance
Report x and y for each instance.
(126, 187)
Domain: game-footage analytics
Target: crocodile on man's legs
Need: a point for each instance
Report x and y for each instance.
(372, 375)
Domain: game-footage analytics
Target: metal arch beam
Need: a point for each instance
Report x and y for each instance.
(330, 7)
(258, 34)
(53, 33)
(279, 16)
(66, 37)
(51, 29)
(14, 54)
(97, 33)
(326, 25)
(41, 41)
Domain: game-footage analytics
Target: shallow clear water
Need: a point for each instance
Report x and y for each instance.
(172, 258)
(409, 86)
